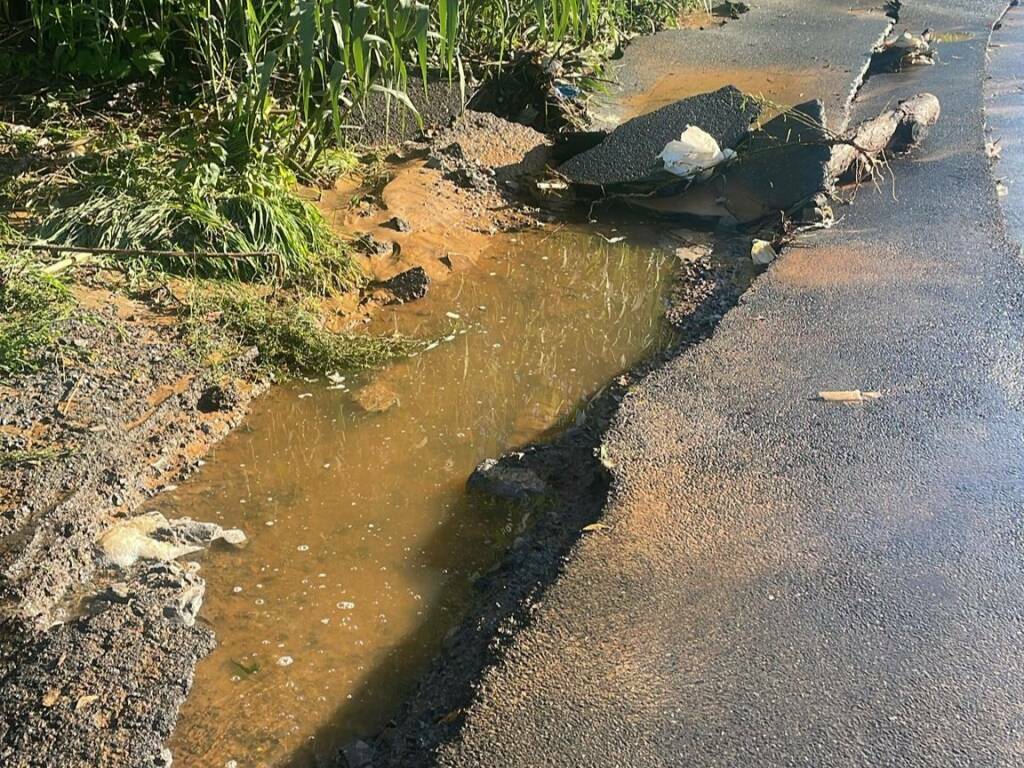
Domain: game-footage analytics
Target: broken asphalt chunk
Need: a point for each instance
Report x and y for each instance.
(782, 167)
(629, 155)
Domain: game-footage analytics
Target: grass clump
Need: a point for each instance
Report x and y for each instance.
(33, 457)
(172, 193)
(289, 333)
(33, 309)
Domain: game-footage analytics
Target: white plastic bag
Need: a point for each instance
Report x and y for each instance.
(694, 154)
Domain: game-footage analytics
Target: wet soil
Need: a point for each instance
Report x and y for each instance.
(113, 420)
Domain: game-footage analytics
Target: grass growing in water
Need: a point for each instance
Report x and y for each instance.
(225, 320)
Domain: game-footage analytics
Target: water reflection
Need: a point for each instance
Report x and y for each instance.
(363, 545)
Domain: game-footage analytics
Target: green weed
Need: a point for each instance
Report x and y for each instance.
(225, 320)
(32, 458)
(171, 194)
(33, 309)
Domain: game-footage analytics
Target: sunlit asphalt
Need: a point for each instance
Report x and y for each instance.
(789, 582)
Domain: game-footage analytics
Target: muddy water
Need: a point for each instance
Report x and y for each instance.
(363, 544)
(778, 88)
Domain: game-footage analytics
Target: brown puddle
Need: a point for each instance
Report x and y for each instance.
(363, 545)
(783, 87)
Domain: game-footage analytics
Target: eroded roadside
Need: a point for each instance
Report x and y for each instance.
(162, 634)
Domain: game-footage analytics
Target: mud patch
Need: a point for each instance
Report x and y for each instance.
(783, 87)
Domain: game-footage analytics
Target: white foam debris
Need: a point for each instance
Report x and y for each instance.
(151, 536)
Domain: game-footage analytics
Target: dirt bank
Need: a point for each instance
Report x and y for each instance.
(119, 416)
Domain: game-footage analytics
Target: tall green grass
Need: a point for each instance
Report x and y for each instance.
(315, 50)
(33, 309)
(270, 86)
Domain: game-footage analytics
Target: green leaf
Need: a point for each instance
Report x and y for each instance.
(148, 62)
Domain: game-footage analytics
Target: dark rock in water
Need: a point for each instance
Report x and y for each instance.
(782, 167)
(407, 286)
(374, 247)
(398, 224)
(504, 480)
(630, 153)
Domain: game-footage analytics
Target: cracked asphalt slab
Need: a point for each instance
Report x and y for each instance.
(792, 582)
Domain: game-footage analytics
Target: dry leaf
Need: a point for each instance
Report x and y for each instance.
(451, 717)
(85, 701)
(595, 527)
(847, 396)
(51, 697)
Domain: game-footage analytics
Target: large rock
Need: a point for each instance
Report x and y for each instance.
(504, 480)
(630, 153)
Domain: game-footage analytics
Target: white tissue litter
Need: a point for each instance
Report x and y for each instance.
(694, 154)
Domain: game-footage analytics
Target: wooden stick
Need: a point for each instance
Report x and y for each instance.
(53, 248)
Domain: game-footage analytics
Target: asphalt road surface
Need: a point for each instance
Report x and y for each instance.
(789, 582)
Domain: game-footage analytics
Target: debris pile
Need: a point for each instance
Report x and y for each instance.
(907, 49)
(704, 160)
(632, 156)
(896, 130)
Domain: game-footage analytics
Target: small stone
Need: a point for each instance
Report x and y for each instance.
(398, 224)
(375, 247)
(762, 252)
(85, 701)
(376, 397)
(116, 593)
(285, 661)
